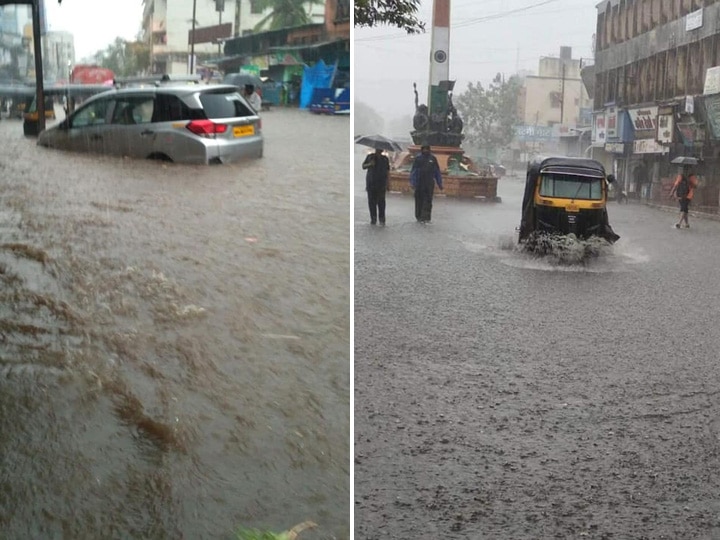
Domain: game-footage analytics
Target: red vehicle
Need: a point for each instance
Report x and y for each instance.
(91, 74)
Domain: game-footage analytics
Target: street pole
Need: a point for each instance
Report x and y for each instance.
(221, 6)
(192, 41)
(562, 95)
(37, 42)
(236, 30)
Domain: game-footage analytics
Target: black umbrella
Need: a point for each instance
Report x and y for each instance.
(241, 79)
(684, 160)
(378, 141)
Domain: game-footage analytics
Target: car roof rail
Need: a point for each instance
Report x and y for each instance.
(190, 79)
(156, 80)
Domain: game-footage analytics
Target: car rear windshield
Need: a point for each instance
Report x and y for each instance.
(224, 105)
(571, 187)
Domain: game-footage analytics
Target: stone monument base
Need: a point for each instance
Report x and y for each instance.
(473, 183)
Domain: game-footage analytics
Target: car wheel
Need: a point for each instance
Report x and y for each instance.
(160, 157)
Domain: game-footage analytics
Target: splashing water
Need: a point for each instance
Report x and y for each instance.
(558, 250)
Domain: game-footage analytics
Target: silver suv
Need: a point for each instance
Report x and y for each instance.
(187, 123)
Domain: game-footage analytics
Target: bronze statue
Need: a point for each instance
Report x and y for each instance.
(455, 123)
(421, 120)
(437, 129)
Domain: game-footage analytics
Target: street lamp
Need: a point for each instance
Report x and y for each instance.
(192, 40)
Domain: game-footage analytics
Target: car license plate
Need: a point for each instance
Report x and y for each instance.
(243, 131)
(572, 208)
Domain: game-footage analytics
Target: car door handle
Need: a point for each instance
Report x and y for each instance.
(96, 137)
(146, 132)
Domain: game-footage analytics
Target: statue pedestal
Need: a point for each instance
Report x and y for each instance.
(465, 181)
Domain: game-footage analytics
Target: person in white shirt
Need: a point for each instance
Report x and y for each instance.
(253, 97)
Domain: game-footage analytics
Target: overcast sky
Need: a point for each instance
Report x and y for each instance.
(486, 37)
(95, 23)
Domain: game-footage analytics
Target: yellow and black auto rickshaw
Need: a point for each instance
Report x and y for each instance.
(30, 114)
(566, 196)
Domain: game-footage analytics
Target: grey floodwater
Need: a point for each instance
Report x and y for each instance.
(505, 395)
(174, 340)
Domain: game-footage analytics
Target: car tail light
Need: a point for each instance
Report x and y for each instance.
(206, 128)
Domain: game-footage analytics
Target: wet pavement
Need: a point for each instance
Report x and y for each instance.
(174, 340)
(501, 395)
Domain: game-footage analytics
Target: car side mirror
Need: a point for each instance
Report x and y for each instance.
(65, 124)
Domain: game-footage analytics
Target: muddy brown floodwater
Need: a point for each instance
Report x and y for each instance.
(174, 340)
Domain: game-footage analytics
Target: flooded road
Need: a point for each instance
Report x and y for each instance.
(174, 340)
(502, 395)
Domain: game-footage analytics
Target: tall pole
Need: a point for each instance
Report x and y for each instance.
(37, 42)
(219, 42)
(562, 92)
(439, 57)
(236, 30)
(192, 41)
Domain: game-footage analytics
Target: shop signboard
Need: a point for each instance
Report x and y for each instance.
(712, 81)
(649, 146)
(615, 148)
(599, 133)
(611, 120)
(250, 69)
(261, 62)
(666, 124)
(533, 133)
(712, 111)
(694, 20)
(689, 105)
(644, 121)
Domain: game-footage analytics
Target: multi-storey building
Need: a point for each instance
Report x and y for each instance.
(554, 109)
(58, 55)
(278, 52)
(657, 92)
(15, 48)
(167, 25)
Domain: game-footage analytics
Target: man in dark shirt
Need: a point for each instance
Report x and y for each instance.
(425, 173)
(376, 184)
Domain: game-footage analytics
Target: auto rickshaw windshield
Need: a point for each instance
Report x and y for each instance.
(571, 187)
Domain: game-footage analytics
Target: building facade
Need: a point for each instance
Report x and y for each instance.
(16, 52)
(167, 25)
(58, 56)
(554, 108)
(282, 54)
(657, 93)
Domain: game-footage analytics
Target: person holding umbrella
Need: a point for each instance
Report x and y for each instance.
(684, 188)
(377, 166)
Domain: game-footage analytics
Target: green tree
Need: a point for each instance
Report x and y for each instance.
(490, 114)
(125, 58)
(399, 13)
(367, 120)
(284, 13)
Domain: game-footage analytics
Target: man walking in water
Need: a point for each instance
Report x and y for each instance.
(425, 173)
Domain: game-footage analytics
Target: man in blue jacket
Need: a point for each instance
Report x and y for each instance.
(425, 173)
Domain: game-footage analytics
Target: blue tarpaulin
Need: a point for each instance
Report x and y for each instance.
(318, 76)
